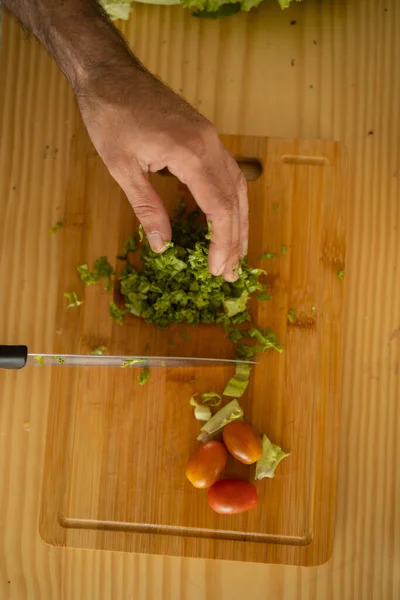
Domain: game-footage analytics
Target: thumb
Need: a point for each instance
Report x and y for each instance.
(150, 211)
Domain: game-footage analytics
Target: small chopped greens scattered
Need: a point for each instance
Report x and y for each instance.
(40, 360)
(284, 250)
(313, 310)
(340, 274)
(228, 413)
(264, 341)
(101, 270)
(116, 313)
(98, 351)
(237, 384)
(127, 362)
(117, 9)
(163, 363)
(276, 207)
(185, 336)
(264, 296)
(291, 315)
(271, 457)
(179, 209)
(268, 256)
(72, 299)
(202, 412)
(141, 233)
(130, 245)
(144, 376)
(56, 227)
(60, 360)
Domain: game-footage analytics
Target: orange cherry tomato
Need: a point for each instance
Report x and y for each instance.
(232, 496)
(206, 464)
(242, 442)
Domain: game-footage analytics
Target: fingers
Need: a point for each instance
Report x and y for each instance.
(148, 208)
(241, 187)
(220, 189)
(218, 199)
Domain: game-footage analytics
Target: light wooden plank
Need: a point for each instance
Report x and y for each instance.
(356, 88)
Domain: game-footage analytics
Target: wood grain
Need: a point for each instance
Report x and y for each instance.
(116, 452)
(239, 72)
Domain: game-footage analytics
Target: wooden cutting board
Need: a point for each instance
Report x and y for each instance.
(116, 452)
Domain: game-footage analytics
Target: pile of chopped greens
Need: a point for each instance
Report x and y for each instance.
(177, 286)
(121, 9)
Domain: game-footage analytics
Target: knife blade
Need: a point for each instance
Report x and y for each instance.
(17, 357)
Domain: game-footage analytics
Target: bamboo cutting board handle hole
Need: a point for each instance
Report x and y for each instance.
(250, 167)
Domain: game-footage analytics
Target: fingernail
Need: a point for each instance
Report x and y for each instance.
(232, 276)
(220, 270)
(156, 241)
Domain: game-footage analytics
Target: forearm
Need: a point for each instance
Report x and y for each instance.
(79, 36)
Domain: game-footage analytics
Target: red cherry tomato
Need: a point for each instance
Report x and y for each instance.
(243, 442)
(206, 464)
(232, 496)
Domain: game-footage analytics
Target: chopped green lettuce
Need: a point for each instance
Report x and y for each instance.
(128, 362)
(237, 384)
(72, 299)
(210, 9)
(268, 256)
(177, 286)
(101, 270)
(144, 376)
(202, 412)
(98, 351)
(270, 459)
(228, 413)
(211, 398)
(116, 313)
(56, 227)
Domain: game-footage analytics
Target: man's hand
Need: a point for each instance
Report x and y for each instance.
(138, 124)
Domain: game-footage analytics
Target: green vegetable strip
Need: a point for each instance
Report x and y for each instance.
(144, 376)
(98, 351)
(56, 227)
(230, 412)
(237, 385)
(271, 457)
(131, 361)
(72, 299)
(211, 398)
(201, 411)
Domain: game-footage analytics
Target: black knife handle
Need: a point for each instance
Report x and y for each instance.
(13, 357)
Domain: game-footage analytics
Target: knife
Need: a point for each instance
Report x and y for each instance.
(17, 357)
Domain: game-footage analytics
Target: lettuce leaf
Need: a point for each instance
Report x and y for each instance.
(117, 9)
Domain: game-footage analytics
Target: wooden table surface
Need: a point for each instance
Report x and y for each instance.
(334, 73)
